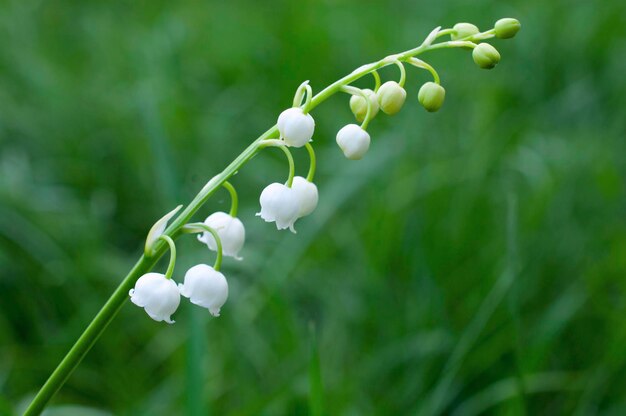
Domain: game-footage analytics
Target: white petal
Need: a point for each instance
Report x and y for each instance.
(206, 287)
(307, 195)
(295, 127)
(158, 295)
(231, 231)
(353, 141)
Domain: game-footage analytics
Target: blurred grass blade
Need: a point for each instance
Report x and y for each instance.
(442, 394)
(507, 389)
(316, 388)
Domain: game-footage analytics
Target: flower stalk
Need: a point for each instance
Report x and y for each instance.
(164, 236)
(198, 227)
(234, 200)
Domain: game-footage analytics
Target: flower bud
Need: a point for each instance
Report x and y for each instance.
(358, 105)
(431, 96)
(205, 287)
(353, 141)
(307, 195)
(391, 97)
(230, 230)
(295, 127)
(485, 56)
(507, 28)
(279, 203)
(158, 295)
(464, 30)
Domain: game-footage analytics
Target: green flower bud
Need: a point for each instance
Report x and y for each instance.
(431, 96)
(485, 56)
(358, 105)
(507, 28)
(464, 30)
(391, 97)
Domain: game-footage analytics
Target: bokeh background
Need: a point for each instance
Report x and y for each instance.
(473, 263)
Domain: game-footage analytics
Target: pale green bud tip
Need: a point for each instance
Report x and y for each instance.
(464, 30)
(431, 96)
(358, 105)
(391, 97)
(485, 56)
(507, 28)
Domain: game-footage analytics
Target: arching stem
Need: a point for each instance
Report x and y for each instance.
(280, 144)
(297, 98)
(402, 73)
(376, 80)
(421, 64)
(198, 227)
(170, 267)
(147, 261)
(234, 200)
(311, 174)
(309, 97)
(357, 91)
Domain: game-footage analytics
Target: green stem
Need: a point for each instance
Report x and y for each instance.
(357, 91)
(402, 73)
(234, 201)
(307, 101)
(421, 64)
(282, 146)
(145, 264)
(170, 267)
(91, 334)
(311, 174)
(446, 32)
(376, 80)
(201, 227)
(297, 98)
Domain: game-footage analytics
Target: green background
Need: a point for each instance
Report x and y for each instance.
(474, 262)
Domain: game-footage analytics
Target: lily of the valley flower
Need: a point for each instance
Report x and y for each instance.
(307, 195)
(158, 295)
(281, 204)
(295, 127)
(231, 231)
(353, 141)
(205, 287)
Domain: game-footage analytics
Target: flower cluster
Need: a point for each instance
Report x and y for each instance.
(203, 285)
(285, 203)
(160, 296)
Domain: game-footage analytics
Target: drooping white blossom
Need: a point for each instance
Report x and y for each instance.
(230, 230)
(295, 127)
(205, 287)
(307, 195)
(353, 141)
(279, 204)
(158, 295)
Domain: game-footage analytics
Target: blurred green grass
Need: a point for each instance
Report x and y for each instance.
(473, 262)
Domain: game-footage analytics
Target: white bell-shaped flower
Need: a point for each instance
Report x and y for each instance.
(353, 141)
(158, 295)
(231, 231)
(295, 127)
(206, 287)
(281, 204)
(307, 195)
